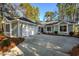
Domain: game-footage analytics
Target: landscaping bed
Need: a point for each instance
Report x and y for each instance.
(74, 51)
(16, 40)
(7, 43)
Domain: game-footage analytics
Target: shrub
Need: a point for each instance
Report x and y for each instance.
(78, 34)
(5, 42)
(55, 32)
(71, 33)
(1, 33)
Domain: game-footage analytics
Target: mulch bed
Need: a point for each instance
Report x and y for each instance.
(74, 51)
(7, 43)
(16, 40)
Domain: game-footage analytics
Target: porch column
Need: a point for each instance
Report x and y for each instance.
(51, 29)
(54, 28)
(10, 30)
(58, 28)
(67, 30)
(18, 29)
(28, 30)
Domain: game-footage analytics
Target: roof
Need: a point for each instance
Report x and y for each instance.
(56, 22)
(50, 23)
(9, 18)
(21, 18)
(25, 19)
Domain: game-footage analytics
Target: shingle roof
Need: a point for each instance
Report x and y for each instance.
(21, 18)
(25, 19)
(9, 18)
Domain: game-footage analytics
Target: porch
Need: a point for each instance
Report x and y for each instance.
(19, 28)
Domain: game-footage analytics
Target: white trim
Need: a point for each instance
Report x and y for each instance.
(51, 28)
(67, 29)
(58, 27)
(54, 28)
(5, 29)
(10, 30)
(18, 29)
(7, 19)
(26, 22)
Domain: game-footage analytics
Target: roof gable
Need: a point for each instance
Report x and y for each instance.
(9, 18)
(25, 19)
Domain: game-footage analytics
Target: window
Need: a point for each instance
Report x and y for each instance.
(7, 27)
(48, 28)
(63, 28)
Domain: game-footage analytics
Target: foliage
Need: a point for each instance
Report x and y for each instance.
(61, 10)
(77, 34)
(67, 9)
(5, 42)
(70, 11)
(1, 33)
(49, 14)
(71, 33)
(55, 32)
(31, 11)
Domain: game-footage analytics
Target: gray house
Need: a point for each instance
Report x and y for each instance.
(19, 27)
(62, 27)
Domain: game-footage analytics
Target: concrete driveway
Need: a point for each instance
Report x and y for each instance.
(47, 45)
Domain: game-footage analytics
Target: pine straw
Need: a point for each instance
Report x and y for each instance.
(74, 51)
(16, 40)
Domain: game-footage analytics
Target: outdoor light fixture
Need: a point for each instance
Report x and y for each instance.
(17, 19)
(2, 22)
(10, 11)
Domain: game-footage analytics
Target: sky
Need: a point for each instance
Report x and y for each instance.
(43, 7)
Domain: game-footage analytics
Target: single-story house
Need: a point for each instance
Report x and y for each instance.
(19, 27)
(62, 27)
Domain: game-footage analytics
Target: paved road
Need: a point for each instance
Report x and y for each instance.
(47, 45)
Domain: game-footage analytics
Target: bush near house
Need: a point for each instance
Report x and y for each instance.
(78, 34)
(17, 40)
(6, 44)
(71, 33)
(1, 33)
(74, 51)
(56, 32)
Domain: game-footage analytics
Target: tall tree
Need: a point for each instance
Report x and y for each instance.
(71, 11)
(67, 10)
(49, 15)
(61, 10)
(31, 11)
